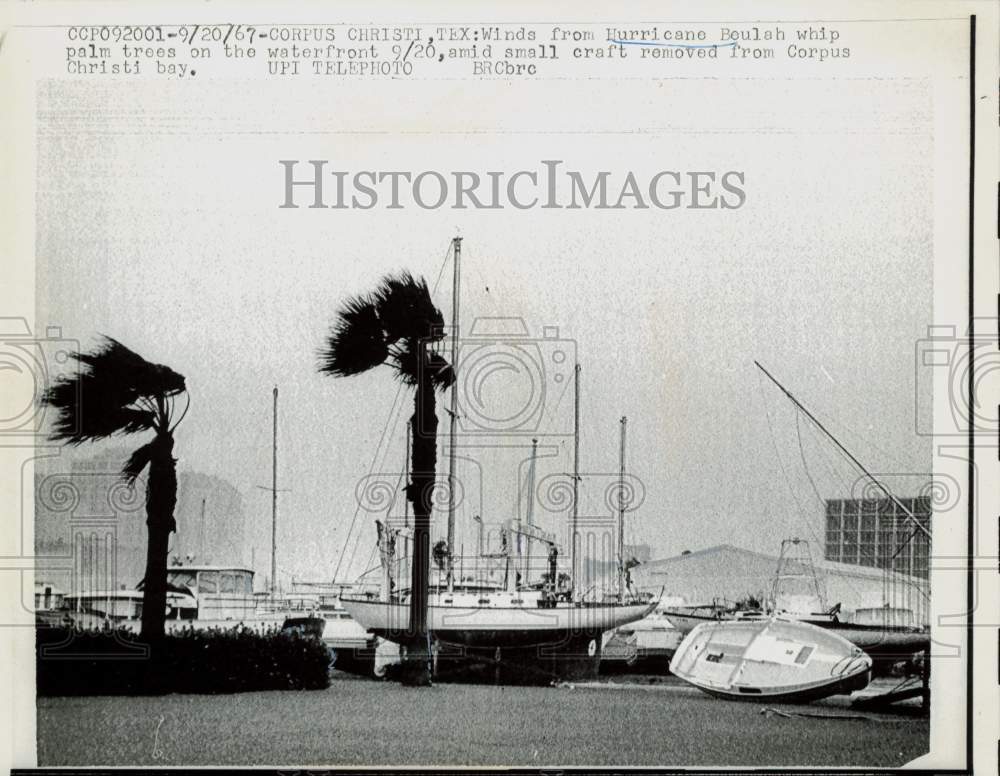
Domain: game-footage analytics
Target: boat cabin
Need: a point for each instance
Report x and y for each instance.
(124, 605)
(220, 592)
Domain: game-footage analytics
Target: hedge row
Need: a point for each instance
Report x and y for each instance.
(116, 662)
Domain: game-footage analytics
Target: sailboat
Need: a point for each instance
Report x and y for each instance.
(541, 631)
(796, 595)
(884, 641)
(774, 659)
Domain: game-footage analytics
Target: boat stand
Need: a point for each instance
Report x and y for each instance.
(903, 691)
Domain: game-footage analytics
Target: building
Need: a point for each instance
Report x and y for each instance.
(90, 526)
(641, 552)
(877, 533)
(725, 573)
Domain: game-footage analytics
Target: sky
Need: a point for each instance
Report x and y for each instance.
(158, 224)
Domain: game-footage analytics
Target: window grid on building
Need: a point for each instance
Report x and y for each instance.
(877, 533)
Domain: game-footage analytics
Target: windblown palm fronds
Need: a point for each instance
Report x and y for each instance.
(387, 327)
(397, 324)
(116, 391)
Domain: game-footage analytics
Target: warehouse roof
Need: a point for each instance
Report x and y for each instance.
(825, 566)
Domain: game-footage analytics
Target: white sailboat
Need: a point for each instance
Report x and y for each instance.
(513, 619)
(772, 659)
(888, 638)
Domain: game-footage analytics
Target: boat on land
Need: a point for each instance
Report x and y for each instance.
(886, 634)
(686, 618)
(354, 649)
(515, 633)
(532, 629)
(773, 659)
(645, 645)
(198, 596)
(504, 618)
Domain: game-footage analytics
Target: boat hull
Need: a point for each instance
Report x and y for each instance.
(505, 645)
(495, 626)
(775, 660)
(886, 644)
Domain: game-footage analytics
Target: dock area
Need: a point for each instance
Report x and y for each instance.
(357, 722)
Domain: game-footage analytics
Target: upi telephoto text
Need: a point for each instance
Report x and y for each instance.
(310, 184)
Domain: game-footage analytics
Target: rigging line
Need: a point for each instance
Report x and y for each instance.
(925, 593)
(371, 557)
(843, 449)
(847, 487)
(905, 543)
(888, 571)
(802, 457)
(859, 437)
(393, 418)
(371, 471)
(777, 453)
(805, 468)
(886, 456)
(444, 263)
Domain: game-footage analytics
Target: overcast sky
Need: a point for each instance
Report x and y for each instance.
(159, 225)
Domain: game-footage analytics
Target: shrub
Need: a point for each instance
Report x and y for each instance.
(118, 662)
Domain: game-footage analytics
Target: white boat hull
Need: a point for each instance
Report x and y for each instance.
(775, 660)
(499, 626)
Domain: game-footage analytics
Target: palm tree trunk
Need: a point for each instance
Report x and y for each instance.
(423, 464)
(161, 498)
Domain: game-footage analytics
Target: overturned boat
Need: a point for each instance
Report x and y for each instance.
(774, 659)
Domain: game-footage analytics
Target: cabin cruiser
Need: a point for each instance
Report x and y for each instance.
(198, 596)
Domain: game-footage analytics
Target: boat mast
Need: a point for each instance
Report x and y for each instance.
(453, 414)
(274, 496)
(575, 579)
(845, 451)
(530, 510)
(621, 513)
(201, 534)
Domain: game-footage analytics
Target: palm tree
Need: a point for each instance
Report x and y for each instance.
(116, 391)
(395, 325)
